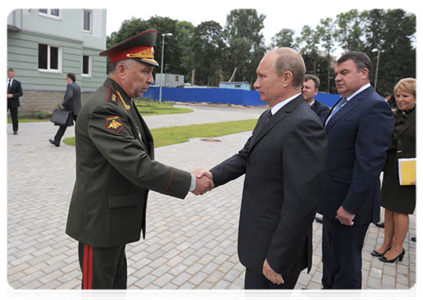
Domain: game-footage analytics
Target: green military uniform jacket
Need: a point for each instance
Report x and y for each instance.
(115, 169)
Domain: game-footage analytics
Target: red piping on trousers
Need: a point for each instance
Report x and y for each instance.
(88, 267)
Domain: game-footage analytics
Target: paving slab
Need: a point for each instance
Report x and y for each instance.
(190, 243)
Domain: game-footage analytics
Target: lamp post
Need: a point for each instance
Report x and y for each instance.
(161, 65)
(377, 65)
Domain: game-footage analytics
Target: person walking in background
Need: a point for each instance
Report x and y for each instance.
(14, 91)
(311, 89)
(283, 164)
(72, 103)
(359, 129)
(399, 200)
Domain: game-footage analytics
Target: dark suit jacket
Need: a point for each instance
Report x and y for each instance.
(283, 164)
(358, 137)
(72, 98)
(16, 90)
(115, 169)
(320, 109)
(406, 139)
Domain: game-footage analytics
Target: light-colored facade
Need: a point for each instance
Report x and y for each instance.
(43, 45)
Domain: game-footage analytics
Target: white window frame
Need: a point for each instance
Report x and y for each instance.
(91, 20)
(90, 66)
(59, 58)
(49, 15)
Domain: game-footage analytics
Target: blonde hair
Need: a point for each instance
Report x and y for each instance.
(407, 85)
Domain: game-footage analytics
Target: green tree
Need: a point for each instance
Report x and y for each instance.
(326, 31)
(284, 38)
(208, 50)
(245, 43)
(350, 31)
(391, 32)
(185, 32)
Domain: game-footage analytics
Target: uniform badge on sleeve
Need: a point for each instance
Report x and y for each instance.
(114, 124)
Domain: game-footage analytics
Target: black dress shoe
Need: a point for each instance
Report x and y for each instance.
(380, 224)
(416, 238)
(314, 294)
(15, 133)
(377, 254)
(319, 219)
(52, 142)
(399, 257)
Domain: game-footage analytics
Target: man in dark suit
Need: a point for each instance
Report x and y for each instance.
(71, 102)
(115, 167)
(14, 91)
(311, 89)
(283, 164)
(359, 129)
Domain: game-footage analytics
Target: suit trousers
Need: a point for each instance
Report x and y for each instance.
(14, 115)
(254, 280)
(341, 248)
(102, 268)
(60, 132)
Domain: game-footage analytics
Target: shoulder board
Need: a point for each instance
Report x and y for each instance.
(115, 97)
(112, 96)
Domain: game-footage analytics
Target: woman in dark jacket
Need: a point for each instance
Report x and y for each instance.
(398, 200)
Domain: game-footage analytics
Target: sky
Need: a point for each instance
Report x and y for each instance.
(279, 13)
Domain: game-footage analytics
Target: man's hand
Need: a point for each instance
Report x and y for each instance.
(416, 182)
(204, 180)
(9, 96)
(345, 217)
(200, 173)
(272, 275)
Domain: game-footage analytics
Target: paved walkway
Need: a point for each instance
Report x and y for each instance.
(190, 244)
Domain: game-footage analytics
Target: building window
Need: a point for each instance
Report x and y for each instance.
(50, 12)
(49, 58)
(86, 65)
(87, 20)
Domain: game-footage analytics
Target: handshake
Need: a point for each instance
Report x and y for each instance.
(204, 181)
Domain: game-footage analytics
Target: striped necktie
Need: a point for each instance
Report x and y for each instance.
(336, 109)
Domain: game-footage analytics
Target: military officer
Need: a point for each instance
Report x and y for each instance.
(115, 167)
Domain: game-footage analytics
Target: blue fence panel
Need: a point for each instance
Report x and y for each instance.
(328, 99)
(218, 95)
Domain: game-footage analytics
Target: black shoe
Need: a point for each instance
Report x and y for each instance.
(377, 254)
(380, 224)
(314, 294)
(52, 142)
(416, 238)
(399, 257)
(15, 133)
(319, 219)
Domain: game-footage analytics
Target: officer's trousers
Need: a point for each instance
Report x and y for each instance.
(102, 268)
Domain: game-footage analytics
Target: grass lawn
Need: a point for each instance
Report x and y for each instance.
(181, 134)
(146, 108)
(149, 108)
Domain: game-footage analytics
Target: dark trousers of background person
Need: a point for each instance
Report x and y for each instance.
(14, 115)
(61, 131)
(341, 248)
(102, 268)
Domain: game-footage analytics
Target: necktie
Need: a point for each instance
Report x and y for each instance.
(337, 108)
(269, 115)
